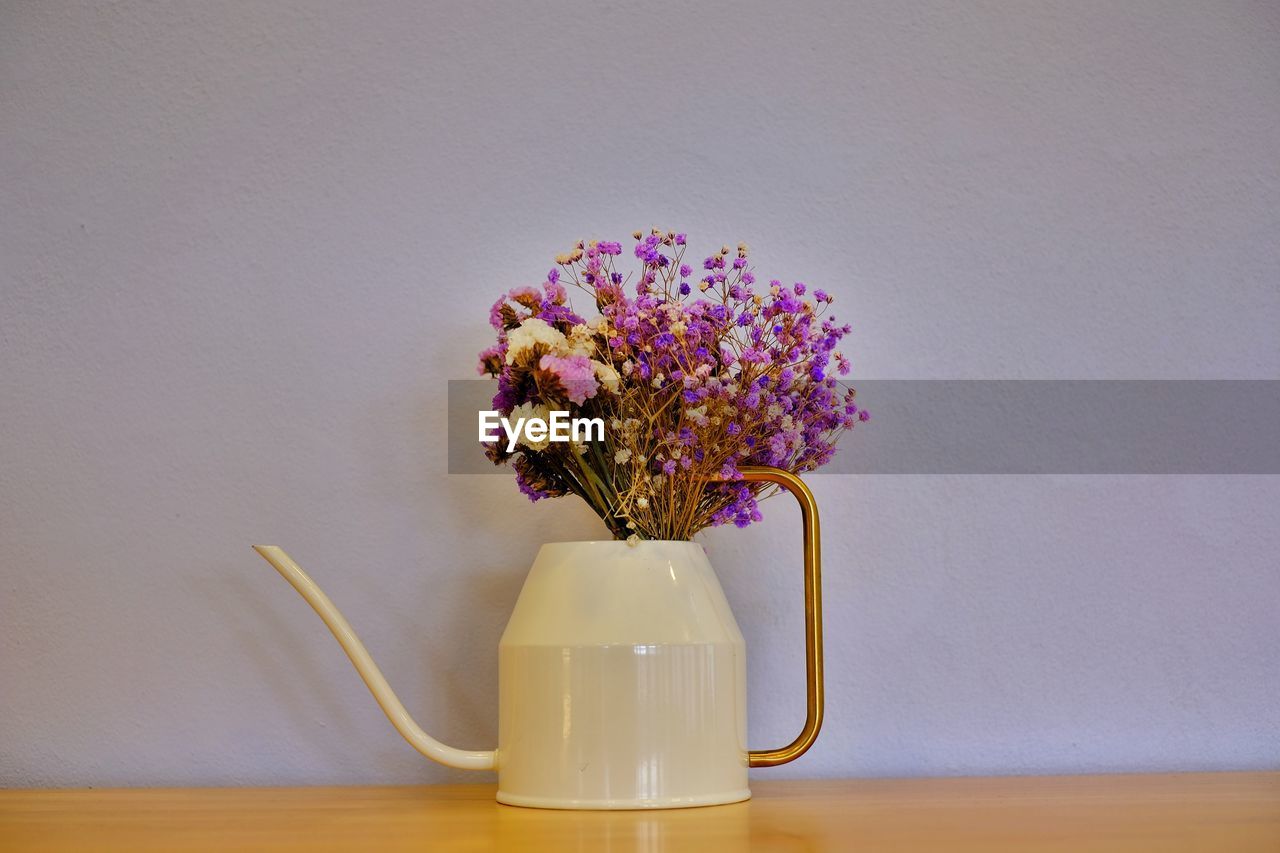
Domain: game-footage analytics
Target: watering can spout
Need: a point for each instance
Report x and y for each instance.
(373, 677)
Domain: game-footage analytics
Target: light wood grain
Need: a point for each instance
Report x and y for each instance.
(1201, 812)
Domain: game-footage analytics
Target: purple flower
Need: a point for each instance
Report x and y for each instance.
(528, 490)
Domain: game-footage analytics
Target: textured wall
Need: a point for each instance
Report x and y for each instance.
(245, 244)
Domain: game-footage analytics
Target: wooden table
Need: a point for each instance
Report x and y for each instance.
(1217, 812)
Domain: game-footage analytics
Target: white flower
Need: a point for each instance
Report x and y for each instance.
(529, 334)
(622, 456)
(633, 540)
(643, 503)
(697, 414)
(528, 411)
(606, 376)
(580, 341)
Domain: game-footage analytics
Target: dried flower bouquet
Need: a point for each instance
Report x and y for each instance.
(693, 374)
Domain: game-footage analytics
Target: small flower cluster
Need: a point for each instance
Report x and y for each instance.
(694, 373)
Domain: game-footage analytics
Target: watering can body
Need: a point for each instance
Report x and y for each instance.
(622, 682)
(622, 676)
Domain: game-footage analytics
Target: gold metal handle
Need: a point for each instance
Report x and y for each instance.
(812, 615)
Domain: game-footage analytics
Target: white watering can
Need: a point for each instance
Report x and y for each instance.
(622, 675)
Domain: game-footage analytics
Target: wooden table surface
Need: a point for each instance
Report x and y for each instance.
(1217, 812)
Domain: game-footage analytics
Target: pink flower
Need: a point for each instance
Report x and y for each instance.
(576, 374)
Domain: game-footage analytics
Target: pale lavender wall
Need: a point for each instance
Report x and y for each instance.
(244, 245)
